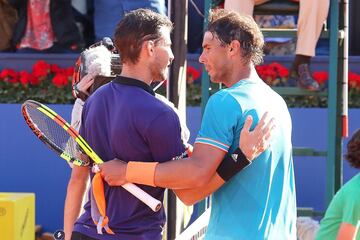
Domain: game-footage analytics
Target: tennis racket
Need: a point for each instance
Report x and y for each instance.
(64, 140)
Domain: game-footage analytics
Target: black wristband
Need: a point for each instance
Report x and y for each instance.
(232, 164)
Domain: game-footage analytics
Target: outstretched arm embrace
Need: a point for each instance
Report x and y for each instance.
(196, 177)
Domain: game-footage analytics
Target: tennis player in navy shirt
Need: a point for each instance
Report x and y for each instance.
(124, 119)
(136, 125)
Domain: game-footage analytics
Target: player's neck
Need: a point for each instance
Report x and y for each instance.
(240, 73)
(136, 72)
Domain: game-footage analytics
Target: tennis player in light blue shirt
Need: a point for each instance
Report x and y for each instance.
(258, 202)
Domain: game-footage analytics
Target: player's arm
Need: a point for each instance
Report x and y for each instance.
(253, 143)
(196, 171)
(192, 172)
(347, 231)
(77, 183)
(350, 226)
(75, 191)
(210, 147)
(215, 137)
(344, 209)
(163, 142)
(228, 167)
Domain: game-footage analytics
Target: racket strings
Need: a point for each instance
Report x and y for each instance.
(53, 132)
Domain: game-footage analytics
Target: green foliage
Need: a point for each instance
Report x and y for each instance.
(46, 83)
(44, 93)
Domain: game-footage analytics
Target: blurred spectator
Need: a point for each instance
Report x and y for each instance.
(312, 15)
(342, 218)
(277, 46)
(8, 18)
(83, 12)
(195, 26)
(354, 21)
(45, 26)
(306, 228)
(107, 13)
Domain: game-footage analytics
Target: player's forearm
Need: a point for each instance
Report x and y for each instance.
(183, 173)
(347, 231)
(229, 167)
(178, 174)
(75, 192)
(193, 195)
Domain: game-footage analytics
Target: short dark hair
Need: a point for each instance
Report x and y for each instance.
(353, 150)
(136, 27)
(229, 25)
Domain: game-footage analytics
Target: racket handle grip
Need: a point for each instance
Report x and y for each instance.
(143, 196)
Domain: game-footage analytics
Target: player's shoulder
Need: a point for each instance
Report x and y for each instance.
(352, 186)
(161, 107)
(151, 107)
(221, 98)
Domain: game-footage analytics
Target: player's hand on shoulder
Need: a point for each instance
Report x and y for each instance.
(113, 172)
(253, 143)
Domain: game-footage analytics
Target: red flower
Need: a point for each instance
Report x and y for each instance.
(34, 80)
(354, 80)
(9, 75)
(321, 77)
(24, 78)
(275, 65)
(281, 70)
(261, 71)
(69, 71)
(192, 74)
(41, 69)
(268, 74)
(272, 73)
(284, 72)
(60, 80)
(54, 68)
